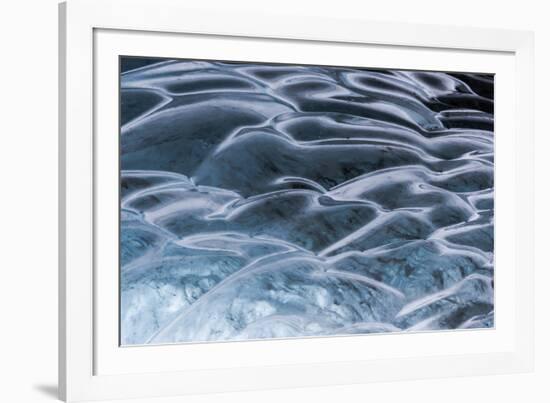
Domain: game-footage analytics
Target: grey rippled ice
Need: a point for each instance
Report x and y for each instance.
(262, 201)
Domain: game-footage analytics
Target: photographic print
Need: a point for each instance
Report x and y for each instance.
(262, 201)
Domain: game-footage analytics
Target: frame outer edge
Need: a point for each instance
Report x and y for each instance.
(76, 205)
(525, 184)
(270, 26)
(62, 300)
(76, 23)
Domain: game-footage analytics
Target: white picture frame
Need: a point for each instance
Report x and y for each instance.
(91, 364)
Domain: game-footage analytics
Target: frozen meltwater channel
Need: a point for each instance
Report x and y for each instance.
(262, 201)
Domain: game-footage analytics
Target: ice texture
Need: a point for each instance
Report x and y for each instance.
(270, 201)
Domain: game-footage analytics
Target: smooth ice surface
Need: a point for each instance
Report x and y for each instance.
(264, 201)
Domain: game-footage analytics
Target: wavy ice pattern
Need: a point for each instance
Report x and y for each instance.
(262, 201)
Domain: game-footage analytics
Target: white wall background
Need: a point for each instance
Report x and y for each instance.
(28, 201)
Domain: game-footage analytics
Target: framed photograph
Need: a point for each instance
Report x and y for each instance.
(252, 201)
